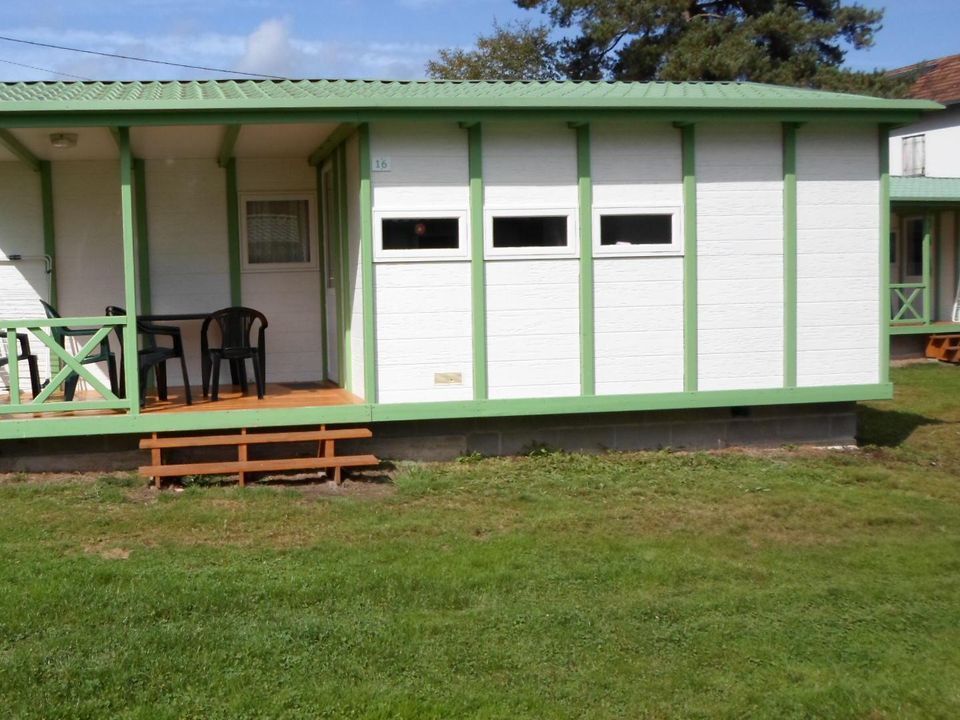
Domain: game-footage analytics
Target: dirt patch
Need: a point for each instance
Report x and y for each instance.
(107, 553)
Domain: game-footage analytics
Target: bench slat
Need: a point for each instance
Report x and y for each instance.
(254, 439)
(232, 468)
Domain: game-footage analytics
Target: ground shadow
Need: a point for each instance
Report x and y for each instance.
(888, 428)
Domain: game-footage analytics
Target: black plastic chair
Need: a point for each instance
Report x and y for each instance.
(60, 335)
(236, 325)
(154, 357)
(24, 354)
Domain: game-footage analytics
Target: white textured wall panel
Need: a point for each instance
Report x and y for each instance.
(838, 286)
(639, 325)
(25, 282)
(423, 328)
(533, 328)
(429, 167)
(529, 165)
(636, 165)
(740, 256)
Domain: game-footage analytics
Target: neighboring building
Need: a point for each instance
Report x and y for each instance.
(484, 263)
(925, 198)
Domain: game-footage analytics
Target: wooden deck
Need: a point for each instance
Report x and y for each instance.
(278, 396)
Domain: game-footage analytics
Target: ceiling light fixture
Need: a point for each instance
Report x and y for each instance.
(63, 140)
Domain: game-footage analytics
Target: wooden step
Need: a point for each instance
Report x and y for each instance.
(944, 347)
(166, 443)
(235, 467)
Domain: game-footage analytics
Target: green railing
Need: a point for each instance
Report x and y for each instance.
(64, 362)
(904, 301)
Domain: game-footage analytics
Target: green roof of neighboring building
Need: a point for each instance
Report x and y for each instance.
(427, 94)
(924, 189)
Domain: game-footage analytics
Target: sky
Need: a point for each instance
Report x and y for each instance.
(390, 39)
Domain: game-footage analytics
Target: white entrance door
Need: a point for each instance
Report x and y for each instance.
(331, 264)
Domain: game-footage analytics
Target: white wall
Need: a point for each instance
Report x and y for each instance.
(740, 256)
(638, 300)
(942, 142)
(189, 255)
(289, 299)
(424, 323)
(22, 283)
(533, 318)
(838, 288)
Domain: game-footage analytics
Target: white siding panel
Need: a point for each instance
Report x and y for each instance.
(23, 283)
(528, 300)
(838, 289)
(529, 166)
(429, 167)
(355, 278)
(639, 325)
(189, 263)
(740, 257)
(423, 328)
(636, 165)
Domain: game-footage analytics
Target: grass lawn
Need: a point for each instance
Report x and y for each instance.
(782, 584)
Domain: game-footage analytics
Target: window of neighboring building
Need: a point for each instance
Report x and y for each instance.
(420, 235)
(637, 231)
(278, 231)
(520, 233)
(914, 155)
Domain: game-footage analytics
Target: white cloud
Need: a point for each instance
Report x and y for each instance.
(269, 50)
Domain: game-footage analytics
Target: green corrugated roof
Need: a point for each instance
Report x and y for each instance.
(381, 94)
(924, 189)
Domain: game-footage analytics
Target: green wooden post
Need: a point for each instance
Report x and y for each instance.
(322, 261)
(143, 240)
(131, 369)
(367, 271)
(585, 187)
(927, 279)
(789, 255)
(346, 307)
(690, 301)
(884, 153)
(478, 272)
(49, 228)
(233, 231)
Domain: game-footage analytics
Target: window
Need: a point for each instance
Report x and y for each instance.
(914, 249)
(531, 233)
(914, 155)
(410, 236)
(637, 231)
(279, 231)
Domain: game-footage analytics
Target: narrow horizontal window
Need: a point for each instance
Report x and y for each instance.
(629, 230)
(421, 233)
(547, 231)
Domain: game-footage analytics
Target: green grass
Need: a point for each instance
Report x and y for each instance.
(785, 584)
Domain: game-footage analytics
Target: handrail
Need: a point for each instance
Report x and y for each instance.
(63, 321)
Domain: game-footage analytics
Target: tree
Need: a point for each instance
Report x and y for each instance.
(520, 51)
(786, 42)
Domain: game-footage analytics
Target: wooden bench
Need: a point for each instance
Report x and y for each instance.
(944, 347)
(325, 459)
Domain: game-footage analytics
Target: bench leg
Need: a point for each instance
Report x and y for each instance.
(242, 457)
(156, 457)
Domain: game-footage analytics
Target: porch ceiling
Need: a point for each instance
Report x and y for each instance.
(182, 141)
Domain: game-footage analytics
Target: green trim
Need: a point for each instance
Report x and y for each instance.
(231, 115)
(690, 303)
(927, 280)
(366, 270)
(956, 254)
(49, 225)
(585, 197)
(131, 369)
(346, 306)
(883, 143)
(322, 262)
(330, 145)
(227, 144)
(365, 413)
(478, 272)
(789, 255)
(924, 329)
(17, 148)
(143, 239)
(233, 231)
(336, 251)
